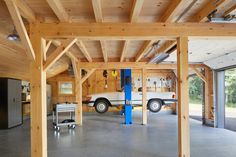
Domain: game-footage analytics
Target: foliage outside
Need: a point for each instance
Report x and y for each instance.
(230, 87)
(195, 90)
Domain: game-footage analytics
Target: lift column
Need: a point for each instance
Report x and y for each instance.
(126, 82)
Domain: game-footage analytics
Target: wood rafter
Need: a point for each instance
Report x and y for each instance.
(206, 10)
(136, 9)
(136, 31)
(167, 16)
(20, 27)
(83, 49)
(230, 10)
(97, 9)
(56, 55)
(59, 10)
(72, 56)
(26, 11)
(90, 72)
(199, 17)
(143, 50)
(174, 8)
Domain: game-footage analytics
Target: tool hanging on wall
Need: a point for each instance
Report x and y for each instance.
(105, 75)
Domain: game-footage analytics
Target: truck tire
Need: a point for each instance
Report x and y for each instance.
(101, 106)
(154, 105)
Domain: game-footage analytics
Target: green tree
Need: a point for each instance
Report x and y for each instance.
(195, 89)
(230, 87)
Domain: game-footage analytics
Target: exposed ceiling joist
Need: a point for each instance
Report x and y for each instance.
(59, 10)
(206, 10)
(20, 27)
(174, 8)
(124, 51)
(25, 11)
(97, 9)
(167, 16)
(136, 9)
(75, 69)
(72, 56)
(143, 50)
(83, 49)
(230, 10)
(60, 51)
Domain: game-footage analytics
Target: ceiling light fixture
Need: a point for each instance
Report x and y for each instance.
(14, 36)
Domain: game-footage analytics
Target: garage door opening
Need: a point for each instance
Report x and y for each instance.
(195, 97)
(230, 99)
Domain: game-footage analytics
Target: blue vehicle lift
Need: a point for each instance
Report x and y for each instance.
(126, 83)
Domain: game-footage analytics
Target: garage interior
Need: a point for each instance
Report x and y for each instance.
(54, 52)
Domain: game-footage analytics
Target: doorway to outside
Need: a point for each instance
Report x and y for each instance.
(230, 99)
(195, 97)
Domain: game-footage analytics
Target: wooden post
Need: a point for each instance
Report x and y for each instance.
(38, 101)
(78, 90)
(208, 94)
(183, 102)
(144, 96)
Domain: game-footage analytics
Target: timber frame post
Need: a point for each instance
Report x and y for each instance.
(78, 82)
(144, 96)
(38, 100)
(183, 102)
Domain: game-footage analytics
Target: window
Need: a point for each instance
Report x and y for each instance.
(66, 88)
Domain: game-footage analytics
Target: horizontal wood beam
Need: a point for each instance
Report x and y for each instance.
(132, 65)
(90, 72)
(60, 51)
(124, 49)
(135, 31)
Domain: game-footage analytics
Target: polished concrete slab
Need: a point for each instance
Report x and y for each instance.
(106, 136)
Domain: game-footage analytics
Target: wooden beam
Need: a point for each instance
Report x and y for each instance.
(183, 102)
(131, 65)
(124, 51)
(72, 56)
(104, 52)
(206, 10)
(136, 9)
(135, 31)
(172, 10)
(59, 10)
(79, 113)
(83, 49)
(199, 74)
(97, 9)
(38, 101)
(25, 11)
(57, 71)
(230, 10)
(47, 45)
(143, 50)
(60, 51)
(208, 97)
(20, 27)
(144, 96)
(90, 72)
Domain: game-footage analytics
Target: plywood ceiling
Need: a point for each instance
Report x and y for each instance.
(113, 11)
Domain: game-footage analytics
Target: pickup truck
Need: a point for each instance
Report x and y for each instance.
(155, 100)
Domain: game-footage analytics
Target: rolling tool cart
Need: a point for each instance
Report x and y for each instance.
(64, 108)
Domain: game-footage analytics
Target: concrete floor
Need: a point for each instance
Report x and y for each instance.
(105, 136)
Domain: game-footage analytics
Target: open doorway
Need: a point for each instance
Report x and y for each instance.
(230, 99)
(195, 97)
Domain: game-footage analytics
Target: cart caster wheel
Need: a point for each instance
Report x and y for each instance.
(73, 126)
(58, 128)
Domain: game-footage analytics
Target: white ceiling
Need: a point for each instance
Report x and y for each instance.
(216, 53)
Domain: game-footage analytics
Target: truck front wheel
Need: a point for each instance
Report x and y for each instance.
(101, 106)
(154, 105)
